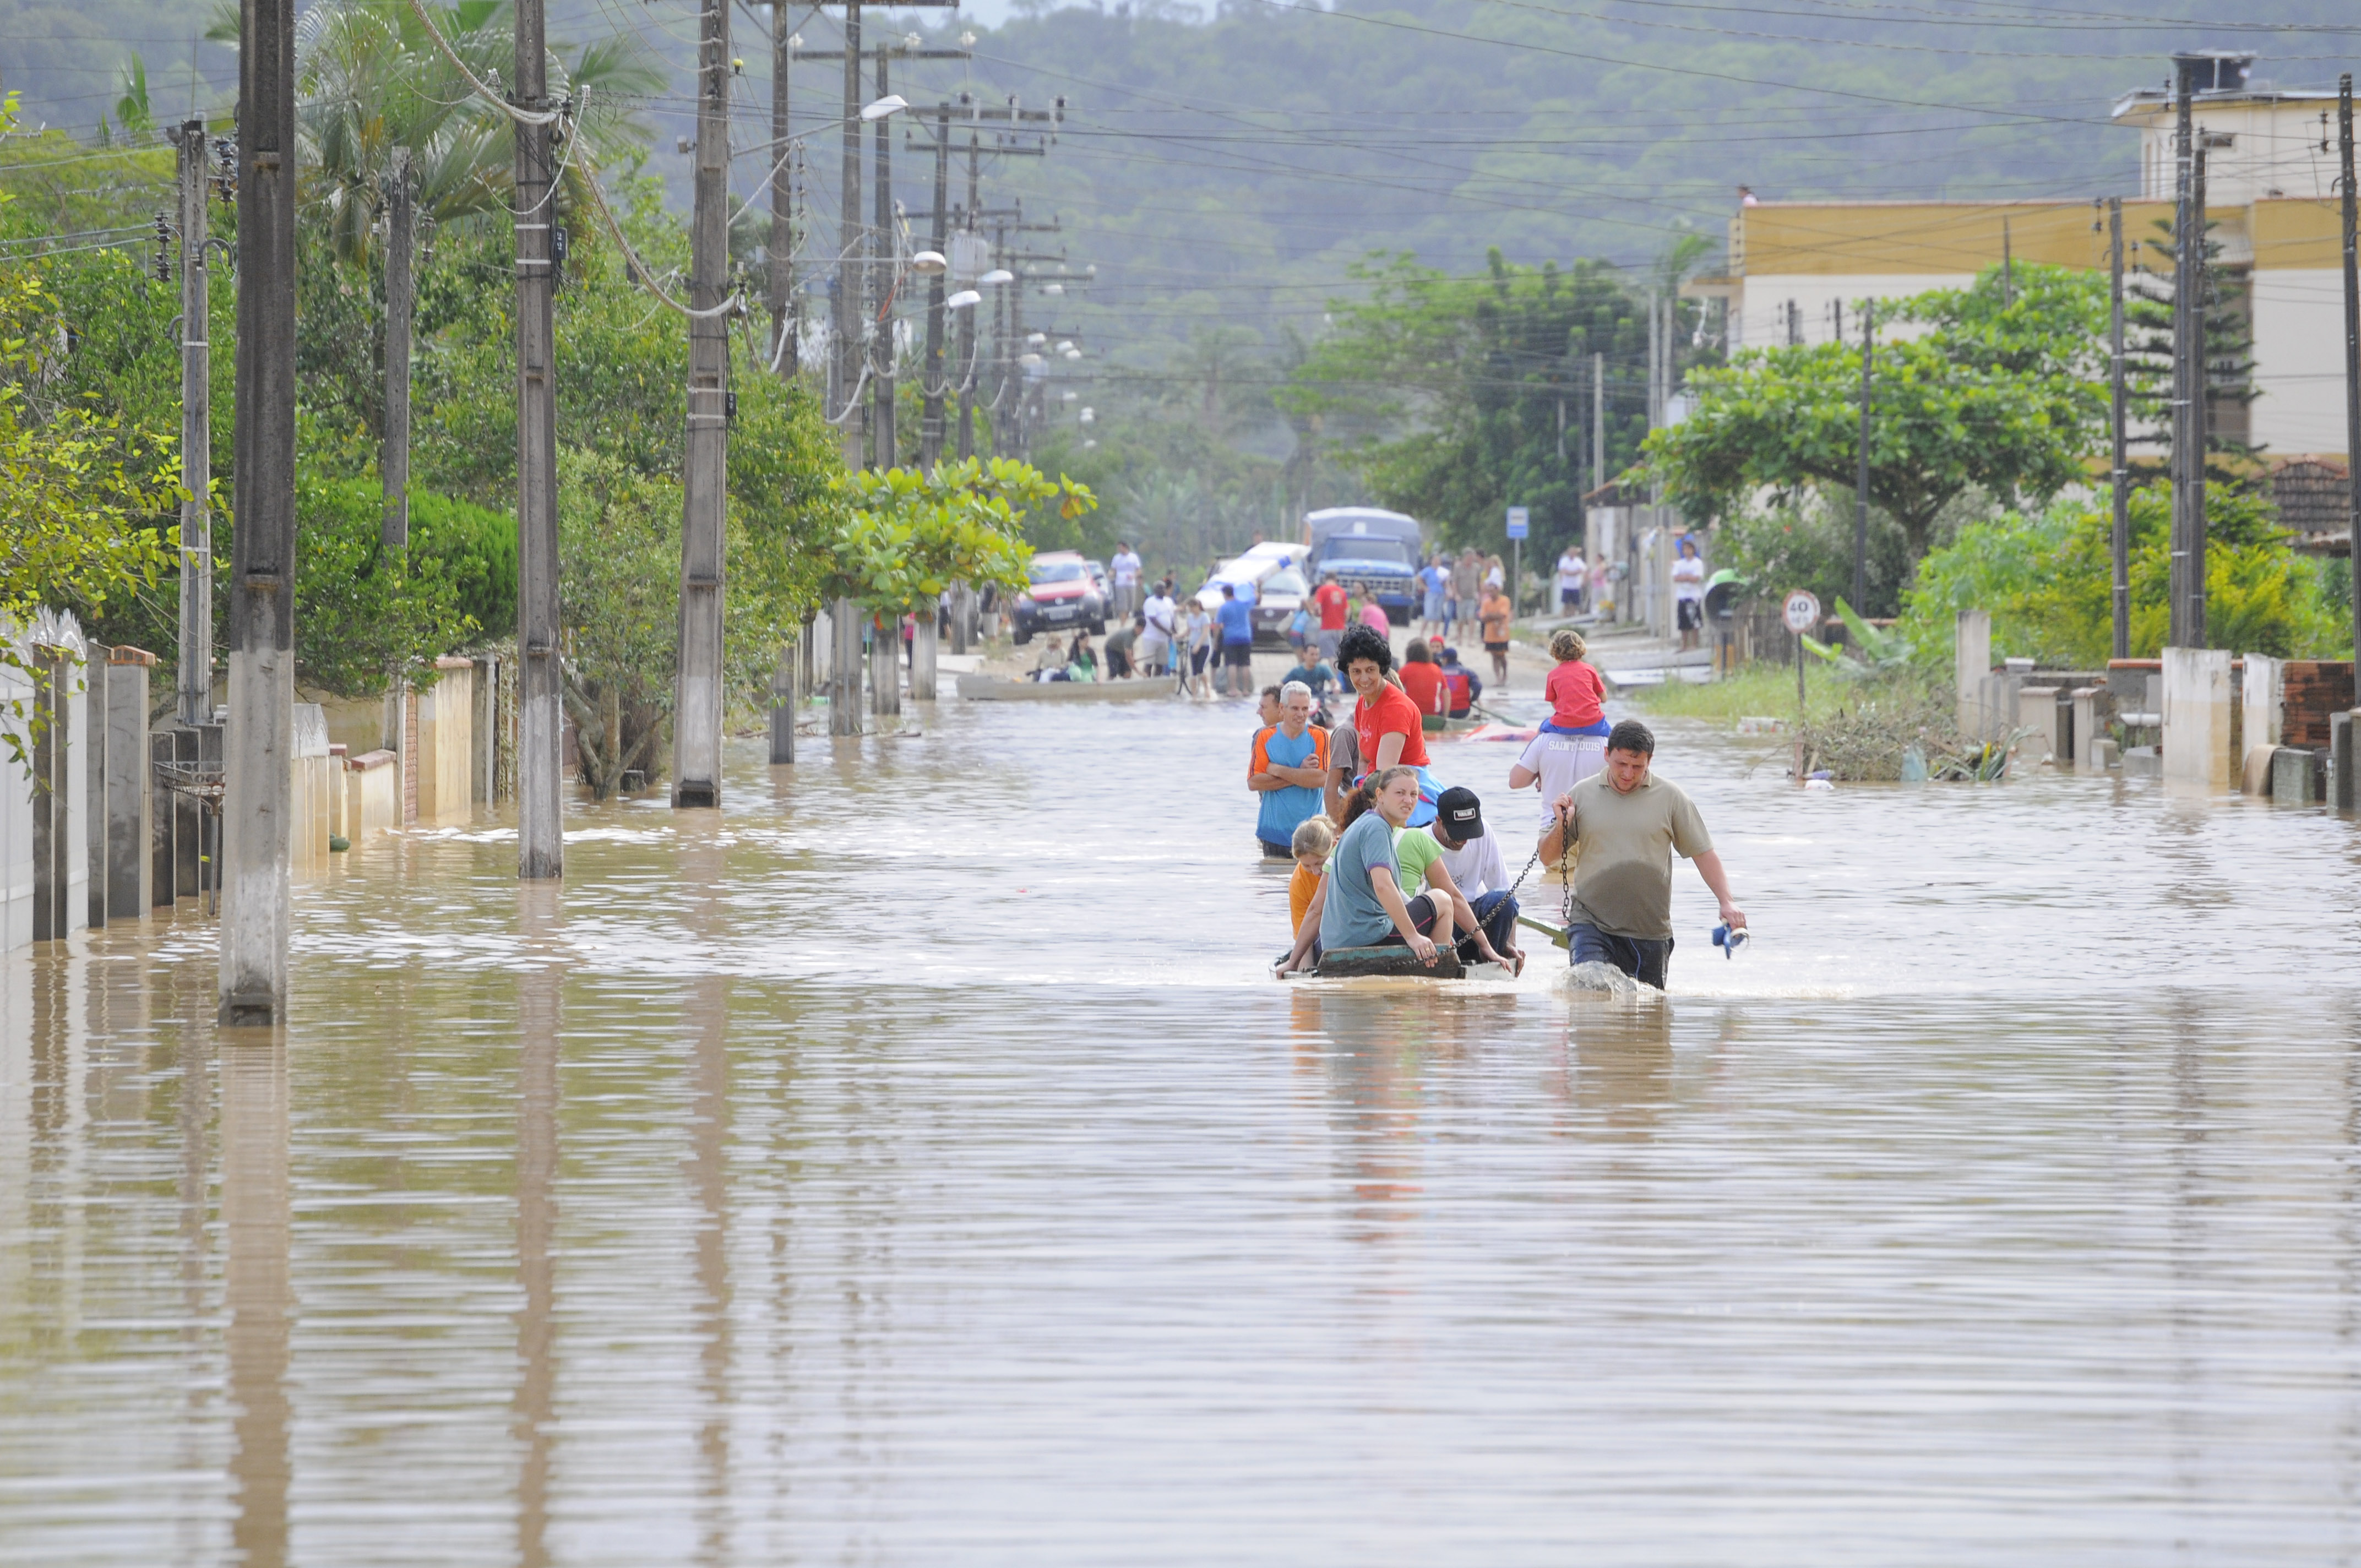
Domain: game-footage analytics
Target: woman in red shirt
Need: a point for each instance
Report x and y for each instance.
(1423, 680)
(1385, 721)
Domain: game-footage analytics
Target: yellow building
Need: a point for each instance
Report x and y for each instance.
(1798, 269)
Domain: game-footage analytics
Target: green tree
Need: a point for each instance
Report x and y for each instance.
(1450, 391)
(1996, 397)
(906, 535)
(2046, 580)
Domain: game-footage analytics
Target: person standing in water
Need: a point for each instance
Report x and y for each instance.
(1626, 825)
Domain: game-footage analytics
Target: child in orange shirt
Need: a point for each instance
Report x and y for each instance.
(1577, 693)
(1315, 838)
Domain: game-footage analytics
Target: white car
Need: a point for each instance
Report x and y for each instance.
(1271, 575)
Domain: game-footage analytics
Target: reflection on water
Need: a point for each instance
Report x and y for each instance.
(913, 1164)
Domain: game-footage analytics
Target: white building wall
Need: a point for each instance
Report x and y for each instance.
(2274, 151)
(2299, 361)
(1758, 317)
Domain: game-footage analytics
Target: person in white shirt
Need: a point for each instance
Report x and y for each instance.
(1557, 763)
(1472, 856)
(1153, 650)
(1125, 568)
(1688, 591)
(1573, 577)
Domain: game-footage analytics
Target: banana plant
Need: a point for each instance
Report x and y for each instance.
(1880, 653)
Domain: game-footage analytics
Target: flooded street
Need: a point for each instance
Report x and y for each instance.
(915, 1163)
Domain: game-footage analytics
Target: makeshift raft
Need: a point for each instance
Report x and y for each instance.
(1389, 962)
(997, 689)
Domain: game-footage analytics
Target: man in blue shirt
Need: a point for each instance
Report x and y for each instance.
(1288, 766)
(1236, 618)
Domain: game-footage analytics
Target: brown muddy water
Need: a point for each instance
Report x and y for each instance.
(914, 1163)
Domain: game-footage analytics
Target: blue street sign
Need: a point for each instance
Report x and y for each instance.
(1517, 517)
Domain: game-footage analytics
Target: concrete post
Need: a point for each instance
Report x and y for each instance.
(541, 730)
(2197, 719)
(699, 699)
(1972, 662)
(2345, 790)
(61, 844)
(783, 705)
(2259, 695)
(2295, 776)
(255, 815)
(130, 792)
(885, 667)
(922, 658)
(2094, 710)
(483, 783)
(2037, 709)
(92, 802)
(845, 621)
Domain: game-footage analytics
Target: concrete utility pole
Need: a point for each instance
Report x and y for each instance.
(967, 326)
(931, 377)
(195, 682)
(258, 783)
(2194, 473)
(851, 271)
(1861, 483)
(401, 246)
(541, 847)
(1597, 420)
(2187, 229)
(780, 256)
(2352, 340)
(704, 468)
(885, 283)
(781, 248)
(2119, 540)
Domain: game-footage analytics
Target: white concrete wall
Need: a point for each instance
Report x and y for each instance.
(2299, 355)
(15, 827)
(1758, 317)
(2274, 150)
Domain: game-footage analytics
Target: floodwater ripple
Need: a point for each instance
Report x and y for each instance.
(914, 1162)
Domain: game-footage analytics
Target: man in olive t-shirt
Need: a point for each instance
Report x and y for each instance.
(1627, 826)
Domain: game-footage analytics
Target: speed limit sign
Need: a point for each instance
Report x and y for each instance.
(1802, 612)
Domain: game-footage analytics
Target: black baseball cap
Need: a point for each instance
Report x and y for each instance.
(1458, 813)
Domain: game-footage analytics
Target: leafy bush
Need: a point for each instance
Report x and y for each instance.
(2045, 580)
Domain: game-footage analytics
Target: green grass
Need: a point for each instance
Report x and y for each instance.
(1767, 690)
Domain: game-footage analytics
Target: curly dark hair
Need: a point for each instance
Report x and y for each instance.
(1364, 641)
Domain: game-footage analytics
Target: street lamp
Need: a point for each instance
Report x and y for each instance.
(963, 300)
(996, 276)
(891, 103)
(926, 263)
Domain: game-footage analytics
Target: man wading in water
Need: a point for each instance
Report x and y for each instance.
(1625, 825)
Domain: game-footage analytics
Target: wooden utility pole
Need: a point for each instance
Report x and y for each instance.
(1860, 482)
(541, 851)
(780, 253)
(2119, 539)
(400, 247)
(2352, 344)
(195, 682)
(705, 477)
(258, 782)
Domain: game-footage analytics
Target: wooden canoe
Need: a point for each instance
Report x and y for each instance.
(997, 689)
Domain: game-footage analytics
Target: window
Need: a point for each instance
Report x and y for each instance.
(1057, 572)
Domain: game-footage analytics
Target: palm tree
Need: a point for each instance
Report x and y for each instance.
(371, 79)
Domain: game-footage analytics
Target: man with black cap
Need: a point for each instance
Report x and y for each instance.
(1473, 857)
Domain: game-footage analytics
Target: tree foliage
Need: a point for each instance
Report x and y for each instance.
(1991, 396)
(907, 535)
(1472, 394)
(2047, 580)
